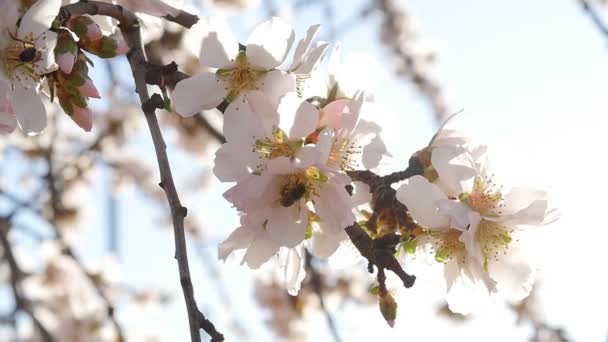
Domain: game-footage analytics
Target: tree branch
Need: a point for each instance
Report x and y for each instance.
(21, 302)
(129, 26)
(595, 17)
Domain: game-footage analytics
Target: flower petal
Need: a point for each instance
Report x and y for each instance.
(202, 91)
(455, 167)
(269, 43)
(312, 59)
(29, 109)
(294, 270)
(287, 226)
(325, 243)
(421, 197)
(38, 18)
(219, 48)
(259, 251)
(234, 161)
(276, 83)
(8, 122)
(514, 275)
(297, 118)
(241, 238)
(243, 125)
(303, 46)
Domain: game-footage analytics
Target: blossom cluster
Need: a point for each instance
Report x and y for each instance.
(469, 223)
(290, 154)
(287, 155)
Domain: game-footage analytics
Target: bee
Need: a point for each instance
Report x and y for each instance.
(28, 55)
(292, 193)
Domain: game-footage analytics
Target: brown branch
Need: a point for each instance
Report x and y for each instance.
(595, 17)
(21, 302)
(130, 28)
(317, 286)
(380, 251)
(56, 210)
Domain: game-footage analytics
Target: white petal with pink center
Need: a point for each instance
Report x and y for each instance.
(238, 72)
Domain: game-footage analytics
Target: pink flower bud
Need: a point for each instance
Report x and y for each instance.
(122, 48)
(83, 117)
(88, 89)
(94, 32)
(66, 61)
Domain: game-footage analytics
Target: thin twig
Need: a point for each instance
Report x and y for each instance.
(595, 17)
(315, 280)
(22, 303)
(130, 28)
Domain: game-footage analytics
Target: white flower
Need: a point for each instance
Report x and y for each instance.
(26, 55)
(238, 72)
(472, 224)
(355, 143)
(260, 137)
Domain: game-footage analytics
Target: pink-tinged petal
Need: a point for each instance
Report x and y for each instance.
(298, 118)
(313, 58)
(94, 32)
(243, 124)
(331, 114)
(251, 192)
(325, 243)
(260, 251)
(280, 166)
(456, 168)
(66, 62)
(264, 108)
(269, 43)
(234, 161)
(274, 84)
(421, 197)
(324, 144)
(219, 49)
(38, 18)
(29, 109)
(241, 238)
(303, 46)
(287, 226)
(335, 206)
(8, 121)
(513, 273)
(88, 89)
(202, 91)
(83, 117)
(122, 47)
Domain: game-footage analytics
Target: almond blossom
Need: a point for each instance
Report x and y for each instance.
(472, 226)
(26, 55)
(238, 72)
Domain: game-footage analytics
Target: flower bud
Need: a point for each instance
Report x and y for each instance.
(83, 117)
(388, 308)
(106, 47)
(88, 89)
(85, 28)
(66, 52)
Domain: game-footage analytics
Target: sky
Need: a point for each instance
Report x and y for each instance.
(530, 77)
